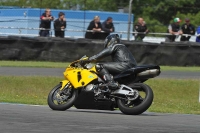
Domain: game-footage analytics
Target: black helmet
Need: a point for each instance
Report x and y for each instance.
(111, 40)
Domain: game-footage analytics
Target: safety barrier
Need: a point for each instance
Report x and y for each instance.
(121, 33)
(69, 49)
(72, 30)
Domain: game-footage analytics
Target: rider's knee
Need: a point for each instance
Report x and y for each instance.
(99, 67)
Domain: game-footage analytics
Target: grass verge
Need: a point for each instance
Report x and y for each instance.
(43, 64)
(178, 68)
(170, 96)
(46, 64)
(26, 90)
(175, 95)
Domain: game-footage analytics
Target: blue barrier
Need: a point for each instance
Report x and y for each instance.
(77, 20)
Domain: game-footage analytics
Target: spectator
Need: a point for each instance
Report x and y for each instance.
(96, 27)
(140, 27)
(46, 19)
(187, 28)
(174, 29)
(107, 27)
(60, 25)
(198, 34)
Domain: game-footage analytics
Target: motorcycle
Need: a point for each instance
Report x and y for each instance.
(84, 88)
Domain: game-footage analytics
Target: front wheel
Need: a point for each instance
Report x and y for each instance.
(62, 100)
(141, 104)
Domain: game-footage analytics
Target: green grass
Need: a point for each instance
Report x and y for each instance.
(46, 64)
(175, 96)
(178, 68)
(27, 90)
(171, 96)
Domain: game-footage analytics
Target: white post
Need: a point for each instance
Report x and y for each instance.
(129, 19)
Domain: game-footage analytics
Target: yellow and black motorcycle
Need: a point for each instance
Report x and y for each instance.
(84, 88)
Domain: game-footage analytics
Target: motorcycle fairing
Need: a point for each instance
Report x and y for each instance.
(80, 77)
(64, 83)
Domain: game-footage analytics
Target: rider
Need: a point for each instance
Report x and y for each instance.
(121, 56)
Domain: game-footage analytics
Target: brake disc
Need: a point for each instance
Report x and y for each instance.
(60, 98)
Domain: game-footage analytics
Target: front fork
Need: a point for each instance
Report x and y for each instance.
(59, 96)
(63, 83)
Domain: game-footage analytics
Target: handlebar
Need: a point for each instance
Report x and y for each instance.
(76, 63)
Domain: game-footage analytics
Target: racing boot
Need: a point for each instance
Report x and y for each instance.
(110, 83)
(108, 78)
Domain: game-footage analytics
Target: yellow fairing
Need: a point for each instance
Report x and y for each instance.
(93, 69)
(79, 77)
(64, 82)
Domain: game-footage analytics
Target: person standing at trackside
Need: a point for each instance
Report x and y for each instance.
(107, 27)
(174, 29)
(140, 27)
(45, 23)
(187, 28)
(60, 25)
(198, 34)
(96, 27)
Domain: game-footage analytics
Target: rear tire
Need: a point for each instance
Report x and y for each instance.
(142, 106)
(61, 107)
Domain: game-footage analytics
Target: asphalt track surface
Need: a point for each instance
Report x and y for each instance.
(24, 71)
(18, 118)
(40, 119)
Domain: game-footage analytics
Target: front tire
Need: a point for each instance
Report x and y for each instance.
(61, 101)
(139, 105)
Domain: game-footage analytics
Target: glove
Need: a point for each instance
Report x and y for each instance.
(84, 61)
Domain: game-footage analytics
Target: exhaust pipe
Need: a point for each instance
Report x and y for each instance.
(150, 73)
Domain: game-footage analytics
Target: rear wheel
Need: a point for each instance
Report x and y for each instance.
(62, 100)
(141, 104)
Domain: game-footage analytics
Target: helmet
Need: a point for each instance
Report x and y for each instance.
(111, 40)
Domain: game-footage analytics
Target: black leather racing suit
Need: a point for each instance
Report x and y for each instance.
(122, 58)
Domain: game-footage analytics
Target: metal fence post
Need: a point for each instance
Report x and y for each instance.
(129, 19)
